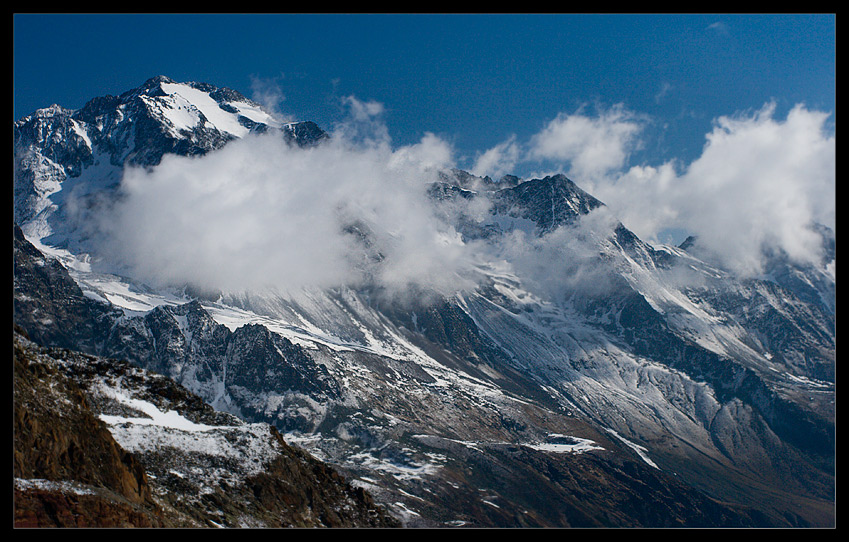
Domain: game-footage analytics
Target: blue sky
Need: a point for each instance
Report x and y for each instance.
(473, 79)
(649, 88)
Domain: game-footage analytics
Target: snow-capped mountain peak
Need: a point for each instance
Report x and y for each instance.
(185, 105)
(59, 151)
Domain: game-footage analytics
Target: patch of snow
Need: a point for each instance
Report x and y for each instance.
(255, 114)
(80, 131)
(180, 113)
(183, 323)
(121, 293)
(62, 486)
(411, 471)
(156, 417)
(222, 120)
(808, 382)
(577, 446)
(235, 318)
(641, 450)
(404, 511)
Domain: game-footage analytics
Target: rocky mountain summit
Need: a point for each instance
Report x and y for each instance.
(62, 154)
(588, 379)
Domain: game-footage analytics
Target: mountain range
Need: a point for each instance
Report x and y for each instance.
(581, 377)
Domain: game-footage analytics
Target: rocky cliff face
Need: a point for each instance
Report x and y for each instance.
(99, 443)
(51, 306)
(69, 471)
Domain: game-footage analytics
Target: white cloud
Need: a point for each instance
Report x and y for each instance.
(429, 154)
(592, 146)
(259, 213)
(499, 160)
(564, 260)
(641, 198)
(719, 27)
(269, 94)
(759, 183)
(665, 87)
(364, 123)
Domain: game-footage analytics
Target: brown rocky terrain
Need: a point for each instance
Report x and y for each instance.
(70, 471)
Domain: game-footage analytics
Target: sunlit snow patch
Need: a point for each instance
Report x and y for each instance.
(565, 444)
(157, 417)
(154, 430)
(641, 451)
(399, 471)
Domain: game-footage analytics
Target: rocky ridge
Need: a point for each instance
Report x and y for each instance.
(100, 443)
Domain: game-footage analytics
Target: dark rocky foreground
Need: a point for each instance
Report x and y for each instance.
(70, 472)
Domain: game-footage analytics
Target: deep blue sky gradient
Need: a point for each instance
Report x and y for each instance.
(471, 79)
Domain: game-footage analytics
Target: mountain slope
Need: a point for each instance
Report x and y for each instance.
(395, 444)
(583, 357)
(99, 443)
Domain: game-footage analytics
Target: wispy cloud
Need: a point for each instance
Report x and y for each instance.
(719, 27)
(665, 87)
(499, 160)
(591, 146)
(269, 93)
(364, 123)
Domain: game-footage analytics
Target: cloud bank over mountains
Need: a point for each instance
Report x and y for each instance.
(759, 184)
(259, 213)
